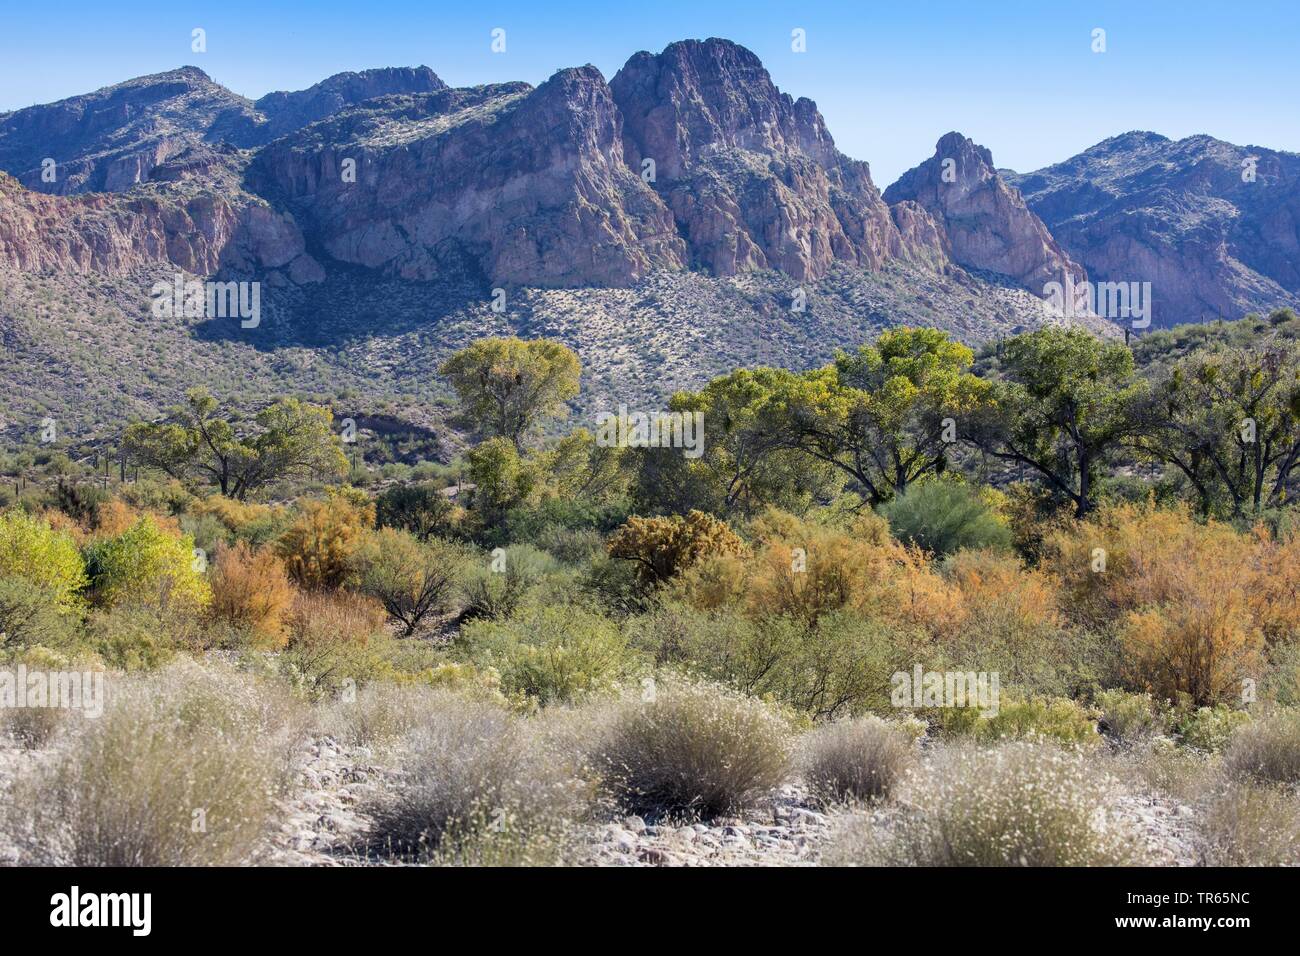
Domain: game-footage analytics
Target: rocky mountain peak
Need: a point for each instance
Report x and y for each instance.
(986, 221)
(289, 111)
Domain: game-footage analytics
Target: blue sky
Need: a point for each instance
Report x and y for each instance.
(890, 78)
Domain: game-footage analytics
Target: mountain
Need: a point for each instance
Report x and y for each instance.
(986, 222)
(683, 218)
(1215, 228)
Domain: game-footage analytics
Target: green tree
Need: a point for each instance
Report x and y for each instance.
(46, 559)
(747, 462)
(886, 414)
(1228, 419)
(507, 385)
(1065, 402)
(288, 439)
(412, 579)
(144, 563)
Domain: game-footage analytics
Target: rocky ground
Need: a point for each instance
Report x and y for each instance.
(790, 829)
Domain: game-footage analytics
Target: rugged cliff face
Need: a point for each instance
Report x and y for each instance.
(986, 222)
(110, 234)
(286, 112)
(520, 185)
(752, 177)
(1215, 228)
(109, 140)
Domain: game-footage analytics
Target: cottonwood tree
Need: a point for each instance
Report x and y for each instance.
(1229, 420)
(507, 385)
(286, 440)
(1064, 403)
(878, 414)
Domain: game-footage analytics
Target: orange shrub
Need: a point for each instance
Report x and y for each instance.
(805, 571)
(1193, 604)
(251, 591)
(115, 516)
(319, 545)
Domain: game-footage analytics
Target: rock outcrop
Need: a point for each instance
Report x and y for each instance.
(286, 112)
(752, 177)
(519, 185)
(112, 139)
(1215, 228)
(986, 223)
(112, 234)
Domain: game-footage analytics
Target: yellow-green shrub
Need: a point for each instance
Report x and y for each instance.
(146, 564)
(47, 559)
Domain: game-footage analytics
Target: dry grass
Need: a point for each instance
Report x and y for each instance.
(695, 749)
(1267, 750)
(1019, 804)
(861, 759)
(183, 769)
(479, 788)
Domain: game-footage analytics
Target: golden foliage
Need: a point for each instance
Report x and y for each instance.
(664, 547)
(319, 545)
(251, 590)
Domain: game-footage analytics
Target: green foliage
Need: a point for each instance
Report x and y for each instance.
(507, 385)
(942, 517)
(31, 616)
(1209, 728)
(552, 655)
(146, 564)
(1130, 719)
(288, 439)
(48, 560)
(1063, 403)
(1037, 718)
(412, 579)
(496, 587)
(422, 509)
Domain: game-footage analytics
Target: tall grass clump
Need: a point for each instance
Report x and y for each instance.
(1267, 750)
(477, 787)
(183, 768)
(692, 749)
(861, 759)
(1018, 804)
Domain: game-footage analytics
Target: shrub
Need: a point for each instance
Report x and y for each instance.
(1129, 719)
(476, 788)
(553, 654)
(806, 571)
(318, 547)
(410, 578)
(178, 749)
(693, 749)
(1037, 718)
(251, 592)
(146, 564)
(842, 666)
(32, 551)
(1245, 825)
(1010, 623)
(142, 636)
(1018, 804)
(661, 548)
(1267, 750)
(1194, 605)
(421, 509)
(31, 614)
(495, 594)
(256, 524)
(329, 638)
(943, 517)
(1209, 728)
(860, 759)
